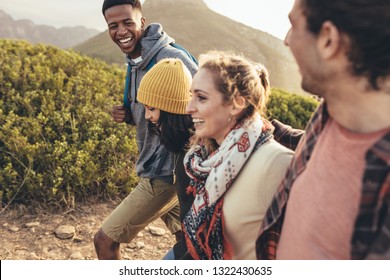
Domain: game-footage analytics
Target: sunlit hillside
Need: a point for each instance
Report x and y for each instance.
(58, 143)
(200, 29)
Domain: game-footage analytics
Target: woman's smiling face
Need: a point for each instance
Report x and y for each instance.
(211, 116)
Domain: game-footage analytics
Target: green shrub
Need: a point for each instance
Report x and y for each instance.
(58, 144)
(291, 109)
(57, 141)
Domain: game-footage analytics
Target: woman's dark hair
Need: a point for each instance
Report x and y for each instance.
(174, 131)
(366, 22)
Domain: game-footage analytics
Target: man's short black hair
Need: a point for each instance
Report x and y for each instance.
(111, 3)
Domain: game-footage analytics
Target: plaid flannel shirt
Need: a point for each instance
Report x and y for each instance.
(371, 236)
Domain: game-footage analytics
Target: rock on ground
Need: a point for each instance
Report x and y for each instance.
(69, 235)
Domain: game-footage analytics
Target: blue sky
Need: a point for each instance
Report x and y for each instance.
(267, 15)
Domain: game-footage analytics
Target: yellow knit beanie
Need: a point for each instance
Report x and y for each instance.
(166, 86)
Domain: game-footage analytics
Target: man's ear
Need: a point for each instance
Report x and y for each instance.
(329, 41)
(143, 22)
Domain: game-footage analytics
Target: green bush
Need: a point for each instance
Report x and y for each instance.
(58, 144)
(57, 141)
(291, 109)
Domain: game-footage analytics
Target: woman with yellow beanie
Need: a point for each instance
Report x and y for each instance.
(165, 93)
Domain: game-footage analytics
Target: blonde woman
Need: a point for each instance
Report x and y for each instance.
(235, 165)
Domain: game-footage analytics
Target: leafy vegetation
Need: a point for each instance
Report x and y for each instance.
(291, 109)
(57, 141)
(58, 144)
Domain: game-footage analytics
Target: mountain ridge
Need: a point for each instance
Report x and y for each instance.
(199, 29)
(64, 37)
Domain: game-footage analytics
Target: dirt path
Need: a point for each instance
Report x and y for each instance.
(32, 237)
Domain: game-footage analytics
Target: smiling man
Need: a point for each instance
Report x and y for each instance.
(155, 195)
(126, 26)
(335, 200)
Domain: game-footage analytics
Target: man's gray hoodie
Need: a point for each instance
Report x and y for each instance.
(154, 160)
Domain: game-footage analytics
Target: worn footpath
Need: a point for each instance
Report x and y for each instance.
(69, 235)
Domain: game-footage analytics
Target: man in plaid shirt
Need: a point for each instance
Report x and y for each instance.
(334, 202)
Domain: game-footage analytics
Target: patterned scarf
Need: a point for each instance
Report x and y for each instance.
(211, 176)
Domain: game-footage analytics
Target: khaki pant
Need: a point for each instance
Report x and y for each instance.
(149, 200)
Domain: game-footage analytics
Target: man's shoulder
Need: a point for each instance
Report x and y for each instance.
(171, 51)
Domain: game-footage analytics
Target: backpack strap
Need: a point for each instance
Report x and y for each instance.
(153, 61)
(126, 101)
(177, 46)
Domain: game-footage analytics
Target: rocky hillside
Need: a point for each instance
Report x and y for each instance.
(25, 29)
(200, 29)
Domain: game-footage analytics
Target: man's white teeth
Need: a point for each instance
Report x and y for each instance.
(124, 41)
